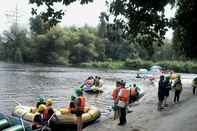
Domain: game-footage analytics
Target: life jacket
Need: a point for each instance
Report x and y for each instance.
(82, 103)
(124, 96)
(133, 91)
(115, 93)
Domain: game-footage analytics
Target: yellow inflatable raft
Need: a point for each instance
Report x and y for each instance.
(64, 117)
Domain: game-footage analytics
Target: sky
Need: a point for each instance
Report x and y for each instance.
(75, 14)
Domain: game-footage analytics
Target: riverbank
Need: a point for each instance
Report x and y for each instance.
(135, 64)
(145, 117)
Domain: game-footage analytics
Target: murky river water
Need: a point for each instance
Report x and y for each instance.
(25, 83)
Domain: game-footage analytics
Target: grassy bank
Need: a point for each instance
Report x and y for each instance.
(177, 66)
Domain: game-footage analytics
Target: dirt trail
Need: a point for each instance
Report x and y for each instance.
(145, 117)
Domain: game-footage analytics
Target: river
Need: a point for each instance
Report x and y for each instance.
(25, 83)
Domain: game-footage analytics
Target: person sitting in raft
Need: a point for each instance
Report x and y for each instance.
(39, 120)
(72, 106)
(48, 112)
(80, 106)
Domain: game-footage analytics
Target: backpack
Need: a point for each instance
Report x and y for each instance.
(178, 86)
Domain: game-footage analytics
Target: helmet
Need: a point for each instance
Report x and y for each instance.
(78, 92)
(179, 77)
(41, 99)
(167, 77)
(73, 97)
(49, 102)
(41, 108)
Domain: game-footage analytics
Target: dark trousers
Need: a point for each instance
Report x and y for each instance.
(122, 115)
(177, 96)
(194, 90)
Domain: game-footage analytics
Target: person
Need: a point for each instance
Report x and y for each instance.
(80, 106)
(100, 82)
(123, 97)
(38, 121)
(40, 101)
(161, 93)
(168, 87)
(48, 112)
(194, 85)
(133, 94)
(114, 97)
(178, 88)
(72, 106)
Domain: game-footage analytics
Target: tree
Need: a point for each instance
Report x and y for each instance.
(184, 24)
(51, 15)
(38, 26)
(142, 18)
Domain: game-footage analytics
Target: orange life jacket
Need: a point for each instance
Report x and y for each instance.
(115, 93)
(125, 95)
(133, 91)
(82, 102)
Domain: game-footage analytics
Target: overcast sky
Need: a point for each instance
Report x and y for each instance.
(76, 14)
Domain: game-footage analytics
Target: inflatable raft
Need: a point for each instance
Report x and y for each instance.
(10, 123)
(64, 118)
(92, 89)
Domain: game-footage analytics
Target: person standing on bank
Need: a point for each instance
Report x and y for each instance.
(123, 98)
(178, 88)
(194, 85)
(161, 92)
(168, 87)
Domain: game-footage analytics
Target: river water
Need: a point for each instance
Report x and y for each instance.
(25, 83)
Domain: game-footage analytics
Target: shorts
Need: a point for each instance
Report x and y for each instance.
(79, 113)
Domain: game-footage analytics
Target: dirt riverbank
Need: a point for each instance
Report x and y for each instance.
(145, 117)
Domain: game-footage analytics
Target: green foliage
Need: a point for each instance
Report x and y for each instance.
(37, 25)
(185, 28)
(141, 18)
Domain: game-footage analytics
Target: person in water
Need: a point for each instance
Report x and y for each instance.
(168, 87)
(123, 97)
(161, 93)
(134, 94)
(80, 106)
(178, 88)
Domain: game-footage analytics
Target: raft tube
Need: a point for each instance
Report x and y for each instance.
(10, 123)
(65, 119)
(93, 89)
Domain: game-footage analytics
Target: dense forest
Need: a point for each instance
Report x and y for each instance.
(137, 34)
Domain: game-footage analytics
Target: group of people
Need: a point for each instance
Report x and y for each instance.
(122, 97)
(91, 81)
(164, 87)
(45, 112)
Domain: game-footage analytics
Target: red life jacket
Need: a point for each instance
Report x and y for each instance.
(82, 102)
(124, 96)
(115, 93)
